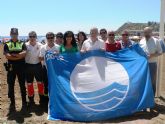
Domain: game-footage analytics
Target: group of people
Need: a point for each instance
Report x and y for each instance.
(27, 60)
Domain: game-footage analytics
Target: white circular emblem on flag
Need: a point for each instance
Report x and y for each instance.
(99, 83)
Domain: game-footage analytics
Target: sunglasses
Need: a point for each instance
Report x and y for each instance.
(50, 37)
(59, 37)
(111, 35)
(102, 32)
(124, 34)
(32, 36)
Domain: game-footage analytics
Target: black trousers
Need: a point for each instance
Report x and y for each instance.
(45, 79)
(19, 71)
(33, 71)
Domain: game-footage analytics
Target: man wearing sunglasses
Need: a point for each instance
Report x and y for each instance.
(103, 34)
(125, 41)
(59, 38)
(15, 51)
(34, 68)
(111, 45)
(51, 47)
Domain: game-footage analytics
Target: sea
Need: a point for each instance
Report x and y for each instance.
(23, 38)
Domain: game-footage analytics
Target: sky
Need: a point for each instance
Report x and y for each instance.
(43, 16)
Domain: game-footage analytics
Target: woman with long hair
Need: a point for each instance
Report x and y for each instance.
(69, 45)
(81, 37)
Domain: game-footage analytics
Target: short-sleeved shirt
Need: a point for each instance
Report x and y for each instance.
(152, 46)
(129, 44)
(112, 47)
(13, 45)
(63, 49)
(45, 48)
(32, 54)
(90, 45)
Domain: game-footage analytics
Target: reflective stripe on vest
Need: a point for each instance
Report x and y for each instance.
(14, 46)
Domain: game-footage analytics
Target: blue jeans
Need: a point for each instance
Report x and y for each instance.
(153, 73)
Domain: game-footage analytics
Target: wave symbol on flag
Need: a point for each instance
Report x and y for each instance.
(99, 83)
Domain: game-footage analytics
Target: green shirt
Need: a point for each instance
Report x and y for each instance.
(63, 49)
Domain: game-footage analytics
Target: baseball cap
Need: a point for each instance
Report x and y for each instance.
(14, 31)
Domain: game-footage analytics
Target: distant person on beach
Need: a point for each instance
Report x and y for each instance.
(103, 34)
(81, 37)
(69, 45)
(34, 68)
(93, 42)
(59, 38)
(152, 48)
(43, 41)
(111, 45)
(136, 39)
(125, 41)
(15, 52)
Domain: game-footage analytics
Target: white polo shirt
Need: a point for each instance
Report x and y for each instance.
(152, 46)
(32, 53)
(45, 48)
(90, 45)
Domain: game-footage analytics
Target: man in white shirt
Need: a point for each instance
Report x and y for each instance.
(152, 48)
(52, 47)
(93, 43)
(33, 68)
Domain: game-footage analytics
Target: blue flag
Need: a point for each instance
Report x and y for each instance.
(98, 85)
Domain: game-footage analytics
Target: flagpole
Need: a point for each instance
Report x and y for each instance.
(162, 20)
(160, 58)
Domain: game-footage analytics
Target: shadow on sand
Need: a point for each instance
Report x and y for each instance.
(19, 116)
